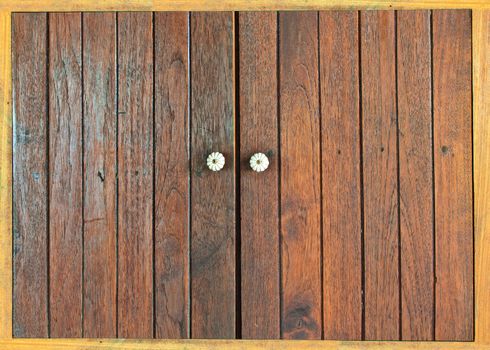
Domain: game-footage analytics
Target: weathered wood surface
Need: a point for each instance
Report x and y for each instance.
(171, 176)
(341, 169)
(259, 192)
(135, 175)
(100, 146)
(212, 193)
(300, 204)
(416, 175)
(65, 175)
(30, 171)
(380, 185)
(453, 175)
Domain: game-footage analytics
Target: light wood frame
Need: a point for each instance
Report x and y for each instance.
(481, 158)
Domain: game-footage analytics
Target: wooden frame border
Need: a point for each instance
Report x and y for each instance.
(481, 158)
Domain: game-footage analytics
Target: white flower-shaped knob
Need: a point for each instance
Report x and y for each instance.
(259, 162)
(216, 161)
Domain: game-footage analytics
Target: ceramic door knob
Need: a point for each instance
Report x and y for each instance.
(216, 161)
(259, 162)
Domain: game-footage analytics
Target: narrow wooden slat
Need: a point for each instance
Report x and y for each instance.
(416, 176)
(481, 156)
(213, 194)
(300, 176)
(342, 240)
(171, 176)
(259, 231)
(453, 174)
(135, 175)
(65, 174)
(380, 175)
(30, 318)
(6, 240)
(99, 91)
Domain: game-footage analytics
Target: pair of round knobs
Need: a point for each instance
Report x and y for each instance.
(258, 162)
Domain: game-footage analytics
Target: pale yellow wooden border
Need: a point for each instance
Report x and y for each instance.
(481, 146)
(236, 5)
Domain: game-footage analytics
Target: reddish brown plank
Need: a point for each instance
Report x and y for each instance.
(453, 174)
(213, 194)
(259, 231)
(416, 178)
(30, 298)
(99, 91)
(300, 176)
(65, 174)
(171, 176)
(342, 259)
(135, 175)
(380, 175)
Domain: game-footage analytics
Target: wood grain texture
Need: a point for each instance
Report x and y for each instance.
(65, 175)
(257, 62)
(99, 101)
(453, 174)
(232, 5)
(379, 122)
(213, 193)
(171, 176)
(197, 344)
(342, 240)
(481, 158)
(300, 176)
(30, 194)
(5, 176)
(416, 177)
(135, 172)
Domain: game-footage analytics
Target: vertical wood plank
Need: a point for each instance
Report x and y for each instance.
(213, 194)
(65, 174)
(30, 290)
(135, 172)
(379, 122)
(171, 176)
(99, 83)
(453, 174)
(342, 259)
(259, 191)
(5, 177)
(416, 177)
(300, 176)
(481, 144)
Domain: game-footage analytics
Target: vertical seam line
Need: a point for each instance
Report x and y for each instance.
(154, 318)
(278, 92)
(322, 321)
(48, 179)
(83, 173)
(434, 240)
(361, 180)
(398, 181)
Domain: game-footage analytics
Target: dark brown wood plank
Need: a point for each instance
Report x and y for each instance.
(30, 298)
(65, 174)
(99, 92)
(135, 173)
(416, 177)
(380, 175)
(213, 194)
(300, 176)
(259, 231)
(171, 176)
(342, 240)
(453, 174)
